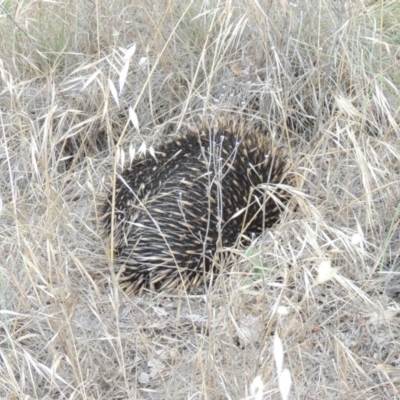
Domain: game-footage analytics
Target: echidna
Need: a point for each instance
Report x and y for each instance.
(171, 209)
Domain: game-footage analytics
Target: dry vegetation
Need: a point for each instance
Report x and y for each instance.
(322, 76)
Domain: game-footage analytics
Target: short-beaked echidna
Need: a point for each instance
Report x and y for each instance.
(198, 191)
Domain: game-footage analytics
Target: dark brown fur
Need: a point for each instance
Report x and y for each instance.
(205, 188)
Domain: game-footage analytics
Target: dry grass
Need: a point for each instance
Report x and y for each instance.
(323, 76)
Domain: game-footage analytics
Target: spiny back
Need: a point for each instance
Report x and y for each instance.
(205, 187)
